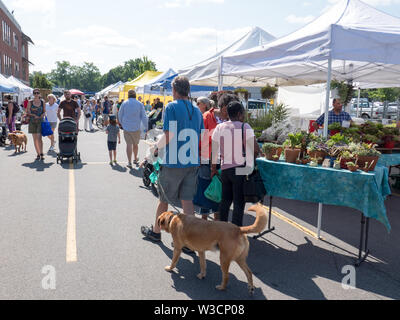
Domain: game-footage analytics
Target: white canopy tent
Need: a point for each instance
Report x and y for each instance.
(208, 72)
(105, 91)
(23, 90)
(351, 42)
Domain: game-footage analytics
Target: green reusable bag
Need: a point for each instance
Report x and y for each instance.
(214, 190)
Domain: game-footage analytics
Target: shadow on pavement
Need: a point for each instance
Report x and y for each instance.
(39, 166)
(186, 281)
(136, 172)
(117, 167)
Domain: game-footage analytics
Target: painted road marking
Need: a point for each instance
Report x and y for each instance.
(294, 224)
(71, 224)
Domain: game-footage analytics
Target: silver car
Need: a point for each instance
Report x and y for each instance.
(391, 113)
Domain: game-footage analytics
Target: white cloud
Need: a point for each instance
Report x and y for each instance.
(46, 9)
(100, 36)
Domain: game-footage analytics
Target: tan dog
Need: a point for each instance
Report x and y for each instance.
(19, 140)
(201, 236)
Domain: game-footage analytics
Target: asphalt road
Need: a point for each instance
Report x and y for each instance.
(83, 223)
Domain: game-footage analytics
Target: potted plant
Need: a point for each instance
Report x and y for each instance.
(314, 163)
(335, 128)
(346, 156)
(293, 147)
(336, 165)
(352, 166)
(268, 92)
(271, 149)
(318, 150)
(306, 160)
(275, 158)
(366, 154)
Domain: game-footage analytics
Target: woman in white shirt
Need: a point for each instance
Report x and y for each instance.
(51, 112)
(87, 111)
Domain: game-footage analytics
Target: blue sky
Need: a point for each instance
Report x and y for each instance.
(173, 33)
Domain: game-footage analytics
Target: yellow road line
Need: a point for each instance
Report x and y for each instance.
(294, 224)
(71, 224)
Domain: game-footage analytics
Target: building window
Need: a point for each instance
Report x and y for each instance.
(16, 41)
(7, 65)
(6, 33)
(17, 70)
(23, 52)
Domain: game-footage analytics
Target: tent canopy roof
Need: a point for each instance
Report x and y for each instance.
(206, 73)
(362, 41)
(143, 79)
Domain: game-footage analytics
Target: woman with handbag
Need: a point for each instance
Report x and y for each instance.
(229, 143)
(36, 112)
(87, 111)
(51, 111)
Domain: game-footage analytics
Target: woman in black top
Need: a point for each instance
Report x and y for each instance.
(11, 114)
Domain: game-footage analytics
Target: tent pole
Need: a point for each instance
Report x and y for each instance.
(328, 95)
(220, 77)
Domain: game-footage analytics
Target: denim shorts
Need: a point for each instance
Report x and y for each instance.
(112, 146)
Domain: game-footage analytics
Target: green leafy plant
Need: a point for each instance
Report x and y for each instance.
(268, 92)
(338, 140)
(295, 140)
(268, 147)
(243, 91)
(335, 126)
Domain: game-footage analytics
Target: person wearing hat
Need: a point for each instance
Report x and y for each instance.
(130, 116)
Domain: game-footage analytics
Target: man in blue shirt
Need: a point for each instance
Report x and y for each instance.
(337, 115)
(183, 125)
(130, 116)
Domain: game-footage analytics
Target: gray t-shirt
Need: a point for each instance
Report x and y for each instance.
(112, 133)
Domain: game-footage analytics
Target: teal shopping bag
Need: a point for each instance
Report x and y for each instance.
(214, 190)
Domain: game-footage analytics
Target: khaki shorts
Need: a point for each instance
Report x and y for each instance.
(35, 127)
(177, 184)
(132, 137)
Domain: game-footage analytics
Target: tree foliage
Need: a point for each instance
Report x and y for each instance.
(40, 81)
(88, 77)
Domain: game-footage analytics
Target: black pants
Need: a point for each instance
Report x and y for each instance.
(232, 192)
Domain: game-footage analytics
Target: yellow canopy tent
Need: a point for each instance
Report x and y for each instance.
(142, 80)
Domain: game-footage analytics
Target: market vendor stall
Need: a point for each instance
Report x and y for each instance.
(362, 191)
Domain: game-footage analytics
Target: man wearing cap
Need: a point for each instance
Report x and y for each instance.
(130, 116)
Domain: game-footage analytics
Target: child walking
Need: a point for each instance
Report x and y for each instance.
(113, 136)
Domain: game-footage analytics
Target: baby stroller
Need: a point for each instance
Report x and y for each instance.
(68, 140)
(151, 164)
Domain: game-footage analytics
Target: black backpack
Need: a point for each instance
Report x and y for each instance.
(16, 108)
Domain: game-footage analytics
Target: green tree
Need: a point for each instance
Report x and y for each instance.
(40, 81)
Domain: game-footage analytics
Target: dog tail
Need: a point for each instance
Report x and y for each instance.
(261, 221)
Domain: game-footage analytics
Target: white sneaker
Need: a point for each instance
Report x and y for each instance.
(51, 148)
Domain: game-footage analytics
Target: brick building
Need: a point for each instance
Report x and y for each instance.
(14, 47)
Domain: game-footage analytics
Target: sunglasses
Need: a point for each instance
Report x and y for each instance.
(36, 93)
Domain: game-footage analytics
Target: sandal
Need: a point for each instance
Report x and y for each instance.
(42, 157)
(38, 158)
(149, 234)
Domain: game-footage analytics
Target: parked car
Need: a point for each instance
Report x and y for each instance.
(366, 108)
(392, 112)
(257, 107)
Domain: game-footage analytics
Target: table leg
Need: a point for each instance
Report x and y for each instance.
(364, 232)
(269, 230)
(320, 207)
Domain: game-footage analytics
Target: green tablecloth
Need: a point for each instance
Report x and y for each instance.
(389, 160)
(365, 192)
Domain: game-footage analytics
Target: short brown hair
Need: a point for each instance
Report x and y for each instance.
(132, 94)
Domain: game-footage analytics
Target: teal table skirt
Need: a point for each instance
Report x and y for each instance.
(362, 191)
(389, 160)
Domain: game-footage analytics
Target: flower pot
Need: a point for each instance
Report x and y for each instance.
(334, 132)
(305, 161)
(362, 160)
(353, 168)
(272, 153)
(291, 155)
(317, 155)
(343, 163)
(390, 145)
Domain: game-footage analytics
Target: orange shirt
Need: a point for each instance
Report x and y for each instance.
(210, 123)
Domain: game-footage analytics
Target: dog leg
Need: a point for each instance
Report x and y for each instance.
(243, 265)
(175, 259)
(225, 264)
(203, 265)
